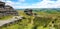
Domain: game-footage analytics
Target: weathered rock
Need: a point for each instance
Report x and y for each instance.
(28, 11)
(7, 10)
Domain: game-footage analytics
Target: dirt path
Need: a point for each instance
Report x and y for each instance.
(2, 22)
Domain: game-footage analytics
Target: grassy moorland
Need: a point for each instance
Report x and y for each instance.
(6, 17)
(43, 20)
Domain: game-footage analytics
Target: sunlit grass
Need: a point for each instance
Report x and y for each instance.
(32, 22)
(6, 17)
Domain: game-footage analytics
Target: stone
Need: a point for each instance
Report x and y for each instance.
(7, 10)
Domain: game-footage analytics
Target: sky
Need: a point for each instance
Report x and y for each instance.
(17, 4)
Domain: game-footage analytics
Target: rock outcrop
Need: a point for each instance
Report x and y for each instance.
(7, 10)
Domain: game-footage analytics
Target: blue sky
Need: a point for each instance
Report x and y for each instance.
(17, 4)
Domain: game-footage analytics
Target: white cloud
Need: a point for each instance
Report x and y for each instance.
(42, 4)
(2, 0)
(48, 4)
(9, 3)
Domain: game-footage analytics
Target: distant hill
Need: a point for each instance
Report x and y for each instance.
(58, 9)
(48, 10)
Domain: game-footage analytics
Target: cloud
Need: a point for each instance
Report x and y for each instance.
(2, 0)
(42, 4)
(48, 4)
(9, 3)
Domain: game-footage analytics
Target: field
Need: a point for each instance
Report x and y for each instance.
(43, 20)
(6, 17)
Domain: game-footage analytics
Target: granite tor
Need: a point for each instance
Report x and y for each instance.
(7, 10)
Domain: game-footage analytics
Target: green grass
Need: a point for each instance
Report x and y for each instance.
(32, 22)
(6, 17)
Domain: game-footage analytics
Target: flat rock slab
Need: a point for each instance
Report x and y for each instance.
(2, 22)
